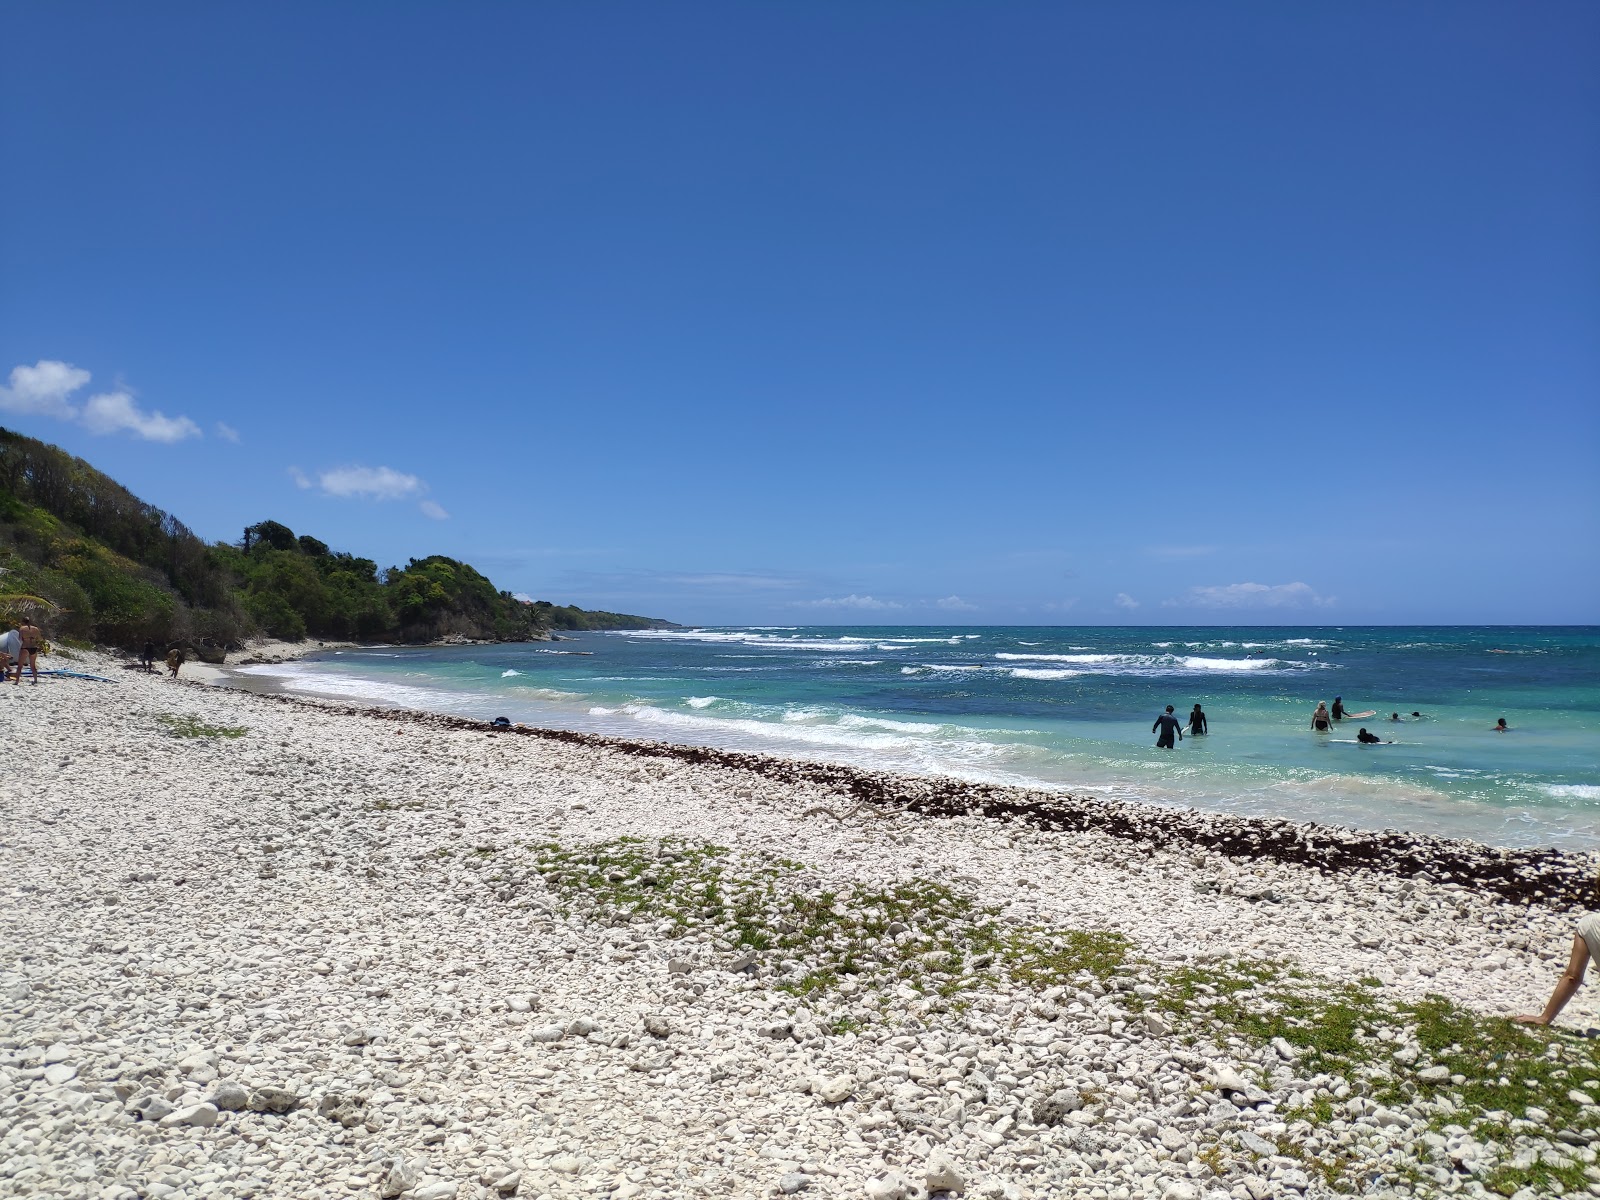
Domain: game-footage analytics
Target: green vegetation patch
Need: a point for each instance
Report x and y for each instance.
(1353, 1031)
(918, 934)
(182, 725)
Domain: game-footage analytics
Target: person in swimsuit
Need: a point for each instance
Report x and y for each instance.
(1320, 721)
(1394, 716)
(32, 638)
(1500, 726)
(1168, 725)
(1197, 721)
(1338, 708)
(1585, 945)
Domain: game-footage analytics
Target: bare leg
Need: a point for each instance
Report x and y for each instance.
(1568, 985)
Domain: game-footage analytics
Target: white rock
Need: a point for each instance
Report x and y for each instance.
(941, 1175)
(201, 1115)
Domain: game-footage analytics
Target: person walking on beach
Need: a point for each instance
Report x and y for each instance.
(174, 660)
(1585, 945)
(32, 638)
(149, 656)
(1168, 725)
(1320, 721)
(1197, 722)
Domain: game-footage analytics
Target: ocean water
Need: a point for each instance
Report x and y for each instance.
(1072, 708)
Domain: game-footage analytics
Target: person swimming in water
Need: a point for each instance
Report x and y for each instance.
(1368, 739)
(1197, 721)
(1394, 716)
(1320, 721)
(1500, 726)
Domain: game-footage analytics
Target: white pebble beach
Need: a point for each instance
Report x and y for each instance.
(321, 959)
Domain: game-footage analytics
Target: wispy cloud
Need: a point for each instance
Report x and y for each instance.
(375, 483)
(730, 579)
(432, 508)
(227, 432)
(1066, 605)
(956, 604)
(1179, 551)
(1126, 601)
(850, 601)
(1253, 595)
(48, 389)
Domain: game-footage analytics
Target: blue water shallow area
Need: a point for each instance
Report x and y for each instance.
(1072, 708)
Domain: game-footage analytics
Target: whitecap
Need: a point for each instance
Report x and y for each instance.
(508, 673)
(1043, 673)
(700, 701)
(1571, 791)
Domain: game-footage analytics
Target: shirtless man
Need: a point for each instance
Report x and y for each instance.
(32, 638)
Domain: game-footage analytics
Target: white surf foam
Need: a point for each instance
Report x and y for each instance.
(700, 701)
(1571, 791)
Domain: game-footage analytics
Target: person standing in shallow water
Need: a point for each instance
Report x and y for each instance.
(1197, 721)
(1168, 725)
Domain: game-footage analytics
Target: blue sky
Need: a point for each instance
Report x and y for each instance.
(816, 313)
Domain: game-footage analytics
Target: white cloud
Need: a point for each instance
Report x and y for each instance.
(956, 604)
(46, 389)
(116, 412)
(1255, 595)
(432, 508)
(43, 389)
(1124, 600)
(523, 596)
(850, 601)
(377, 483)
(227, 432)
(301, 479)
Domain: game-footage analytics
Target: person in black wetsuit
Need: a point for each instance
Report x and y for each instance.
(1169, 725)
(1197, 721)
(1338, 708)
(1368, 739)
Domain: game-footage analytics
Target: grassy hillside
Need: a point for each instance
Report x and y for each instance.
(110, 568)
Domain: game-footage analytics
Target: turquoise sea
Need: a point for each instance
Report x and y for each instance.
(1072, 708)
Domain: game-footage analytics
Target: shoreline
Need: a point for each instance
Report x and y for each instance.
(270, 946)
(1555, 878)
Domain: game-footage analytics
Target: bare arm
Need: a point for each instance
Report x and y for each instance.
(1566, 987)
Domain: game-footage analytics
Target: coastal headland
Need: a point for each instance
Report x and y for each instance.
(272, 946)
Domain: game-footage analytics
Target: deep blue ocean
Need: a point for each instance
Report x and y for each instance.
(1072, 708)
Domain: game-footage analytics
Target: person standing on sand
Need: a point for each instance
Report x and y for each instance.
(174, 660)
(1585, 945)
(1168, 725)
(32, 638)
(1197, 722)
(149, 657)
(1320, 721)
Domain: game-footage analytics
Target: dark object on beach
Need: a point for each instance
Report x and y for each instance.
(1168, 725)
(501, 723)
